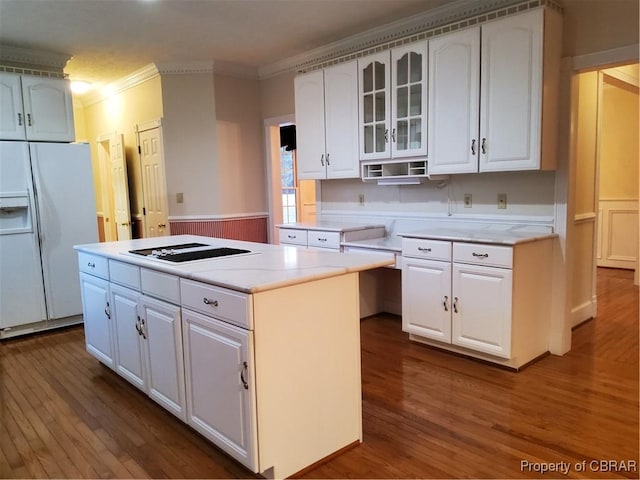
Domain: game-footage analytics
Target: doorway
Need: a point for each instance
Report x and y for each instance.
(290, 200)
(116, 220)
(155, 208)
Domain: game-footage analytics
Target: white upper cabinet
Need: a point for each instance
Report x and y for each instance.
(35, 108)
(454, 86)
(488, 89)
(326, 103)
(409, 102)
(393, 103)
(375, 105)
(511, 93)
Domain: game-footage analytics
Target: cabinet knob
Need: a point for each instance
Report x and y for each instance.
(386, 135)
(328, 160)
(213, 303)
(107, 311)
(322, 159)
(445, 303)
(393, 135)
(455, 305)
(19, 119)
(29, 122)
(162, 225)
(484, 145)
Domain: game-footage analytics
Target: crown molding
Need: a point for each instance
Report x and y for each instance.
(136, 78)
(378, 37)
(235, 70)
(184, 68)
(34, 58)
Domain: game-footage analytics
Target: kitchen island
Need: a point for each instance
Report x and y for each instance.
(258, 351)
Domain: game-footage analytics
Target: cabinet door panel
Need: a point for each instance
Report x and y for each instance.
(48, 109)
(162, 329)
(219, 406)
(310, 125)
(454, 77)
(341, 120)
(511, 93)
(481, 318)
(97, 324)
(409, 102)
(124, 312)
(11, 115)
(375, 106)
(426, 302)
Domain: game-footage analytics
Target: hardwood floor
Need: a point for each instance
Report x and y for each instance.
(427, 413)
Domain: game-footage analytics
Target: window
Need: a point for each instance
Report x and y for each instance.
(289, 185)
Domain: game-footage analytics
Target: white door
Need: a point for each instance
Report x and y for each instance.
(220, 385)
(154, 184)
(97, 318)
(106, 190)
(409, 102)
(310, 125)
(426, 298)
(161, 332)
(127, 338)
(375, 105)
(341, 120)
(11, 114)
(454, 94)
(120, 185)
(48, 109)
(511, 93)
(481, 309)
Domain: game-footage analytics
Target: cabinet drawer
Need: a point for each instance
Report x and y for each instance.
(160, 285)
(430, 249)
(479, 254)
(323, 239)
(295, 237)
(124, 274)
(93, 264)
(234, 307)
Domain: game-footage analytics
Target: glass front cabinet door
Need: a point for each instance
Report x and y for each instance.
(409, 102)
(393, 103)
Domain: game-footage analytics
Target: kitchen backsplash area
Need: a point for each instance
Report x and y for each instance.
(529, 197)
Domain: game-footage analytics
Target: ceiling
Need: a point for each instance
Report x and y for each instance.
(109, 39)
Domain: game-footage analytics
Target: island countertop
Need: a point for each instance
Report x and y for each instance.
(266, 267)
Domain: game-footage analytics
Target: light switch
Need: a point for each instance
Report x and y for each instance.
(180, 197)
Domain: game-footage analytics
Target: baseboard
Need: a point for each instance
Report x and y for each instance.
(583, 312)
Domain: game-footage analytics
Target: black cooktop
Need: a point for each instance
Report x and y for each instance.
(186, 252)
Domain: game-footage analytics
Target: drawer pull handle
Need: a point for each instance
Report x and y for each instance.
(292, 237)
(19, 119)
(92, 265)
(107, 311)
(480, 255)
(322, 159)
(424, 249)
(138, 329)
(322, 239)
(29, 122)
(244, 382)
(206, 301)
(445, 304)
(473, 146)
(455, 305)
(484, 146)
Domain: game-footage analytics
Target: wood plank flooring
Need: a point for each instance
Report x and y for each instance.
(427, 413)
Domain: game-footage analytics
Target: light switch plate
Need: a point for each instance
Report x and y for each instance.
(502, 201)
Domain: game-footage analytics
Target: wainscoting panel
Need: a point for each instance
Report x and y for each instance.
(252, 229)
(618, 234)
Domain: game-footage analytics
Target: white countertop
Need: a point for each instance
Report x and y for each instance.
(266, 268)
(390, 243)
(483, 233)
(330, 226)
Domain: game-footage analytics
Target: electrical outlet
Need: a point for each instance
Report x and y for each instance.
(361, 199)
(467, 200)
(502, 201)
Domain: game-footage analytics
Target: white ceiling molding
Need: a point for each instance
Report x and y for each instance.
(136, 78)
(185, 68)
(33, 58)
(383, 37)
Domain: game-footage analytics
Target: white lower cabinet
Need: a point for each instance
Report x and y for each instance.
(463, 296)
(481, 309)
(220, 386)
(98, 329)
(148, 343)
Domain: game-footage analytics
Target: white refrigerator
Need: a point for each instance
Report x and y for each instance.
(47, 205)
